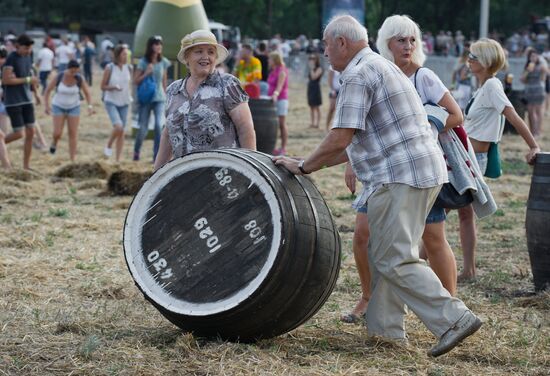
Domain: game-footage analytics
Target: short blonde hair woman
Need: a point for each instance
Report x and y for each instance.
(484, 126)
(489, 54)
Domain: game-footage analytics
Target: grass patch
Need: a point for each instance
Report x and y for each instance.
(515, 166)
(61, 213)
(91, 266)
(57, 200)
(89, 346)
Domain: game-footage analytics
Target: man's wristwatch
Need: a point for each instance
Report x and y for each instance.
(301, 167)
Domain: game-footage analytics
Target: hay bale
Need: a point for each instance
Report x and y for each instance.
(23, 175)
(127, 182)
(94, 170)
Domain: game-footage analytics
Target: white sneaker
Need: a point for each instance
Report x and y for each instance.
(107, 152)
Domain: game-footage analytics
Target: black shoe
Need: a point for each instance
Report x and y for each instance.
(52, 149)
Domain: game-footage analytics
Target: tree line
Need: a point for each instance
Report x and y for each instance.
(290, 18)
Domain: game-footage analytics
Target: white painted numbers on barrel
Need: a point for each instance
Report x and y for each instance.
(212, 240)
(254, 231)
(224, 179)
(159, 264)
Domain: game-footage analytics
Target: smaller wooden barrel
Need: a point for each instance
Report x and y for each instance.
(266, 124)
(225, 243)
(515, 97)
(537, 222)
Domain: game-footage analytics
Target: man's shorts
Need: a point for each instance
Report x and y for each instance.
(21, 116)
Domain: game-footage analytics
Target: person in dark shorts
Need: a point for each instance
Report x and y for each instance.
(18, 80)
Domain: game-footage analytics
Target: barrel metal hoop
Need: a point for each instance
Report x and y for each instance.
(540, 179)
(247, 158)
(538, 205)
(294, 213)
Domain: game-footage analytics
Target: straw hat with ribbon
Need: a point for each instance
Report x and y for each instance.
(201, 37)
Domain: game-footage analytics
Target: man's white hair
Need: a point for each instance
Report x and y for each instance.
(346, 26)
(400, 26)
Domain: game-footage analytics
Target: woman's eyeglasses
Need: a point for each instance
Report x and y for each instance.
(471, 56)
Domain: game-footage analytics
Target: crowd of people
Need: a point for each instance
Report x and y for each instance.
(391, 120)
(55, 70)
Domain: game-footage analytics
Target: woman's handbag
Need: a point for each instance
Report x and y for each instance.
(494, 169)
(449, 198)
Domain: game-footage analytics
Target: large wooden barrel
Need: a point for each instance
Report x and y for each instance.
(266, 124)
(537, 222)
(224, 243)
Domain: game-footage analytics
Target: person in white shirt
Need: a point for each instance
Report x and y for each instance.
(65, 105)
(64, 54)
(45, 63)
(116, 85)
(106, 52)
(484, 124)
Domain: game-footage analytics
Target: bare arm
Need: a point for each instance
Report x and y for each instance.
(242, 118)
(330, 152)
(455, 113)
(317, 72)
(51, 86)
(35, 90)
(518, 123)
(88, 96)
(8, 78)
(350, 178)
(139, 74)
(279, 87)
(164, 154)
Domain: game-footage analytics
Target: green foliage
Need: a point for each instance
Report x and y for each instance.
(61, 213)
(12, 8)
(290, 18)
(87, 348)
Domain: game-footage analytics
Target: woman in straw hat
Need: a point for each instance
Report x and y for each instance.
(207, 109)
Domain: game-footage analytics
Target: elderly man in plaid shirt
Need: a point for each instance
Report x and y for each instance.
(381, 127)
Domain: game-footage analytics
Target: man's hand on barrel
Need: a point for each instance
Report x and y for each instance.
(291, 164)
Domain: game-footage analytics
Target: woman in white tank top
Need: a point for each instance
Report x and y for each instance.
(117, 98)
(65, 105)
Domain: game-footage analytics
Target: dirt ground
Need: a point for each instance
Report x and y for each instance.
(68, 304)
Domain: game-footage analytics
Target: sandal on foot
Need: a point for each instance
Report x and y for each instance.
(350, 318)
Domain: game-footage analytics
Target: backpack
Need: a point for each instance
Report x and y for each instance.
(146, 90)
(78, 77)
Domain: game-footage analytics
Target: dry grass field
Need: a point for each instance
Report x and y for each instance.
(68, 305)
